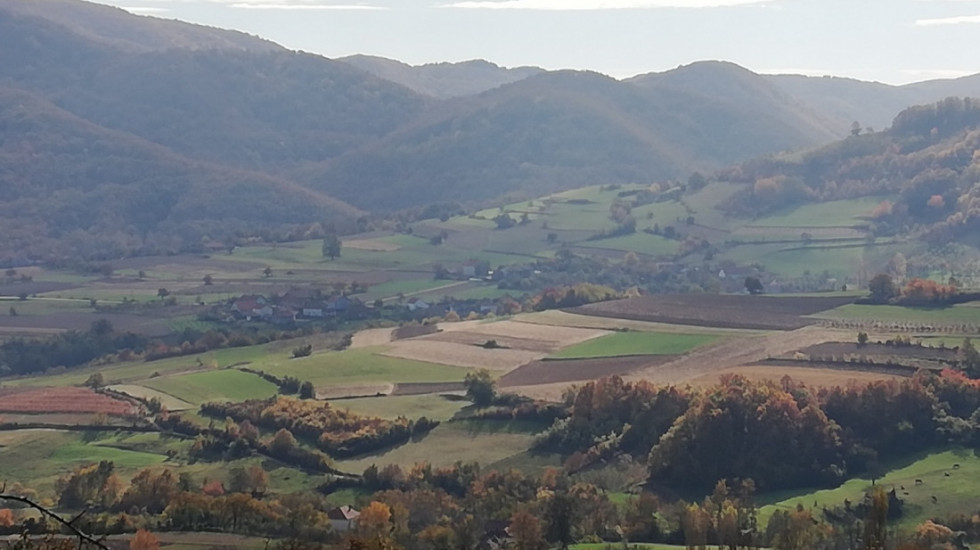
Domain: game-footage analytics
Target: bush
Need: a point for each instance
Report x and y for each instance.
(303, 351)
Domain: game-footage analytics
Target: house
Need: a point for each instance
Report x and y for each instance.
(416, 304)
(343, 518)
(251, 307)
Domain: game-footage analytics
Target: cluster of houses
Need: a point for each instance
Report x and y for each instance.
(295, 304)
(310, 304)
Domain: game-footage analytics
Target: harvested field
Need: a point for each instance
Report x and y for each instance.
(412, 331)
(459, 355)
(576, 370)
(557, 336)
(61, 400)
(140, 392)
(718, 310)
(476, 339)
(881, 350)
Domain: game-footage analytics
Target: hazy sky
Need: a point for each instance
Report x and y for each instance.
(894, 41)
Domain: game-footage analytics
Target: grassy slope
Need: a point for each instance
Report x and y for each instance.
(635, 343)
(363, 365)
(955, 493)
(486, 443)
(219, 385)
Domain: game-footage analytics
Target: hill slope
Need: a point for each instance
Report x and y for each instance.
(560, 130)
(74, 189)
(442, 80)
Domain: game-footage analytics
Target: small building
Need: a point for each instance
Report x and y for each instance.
(416, 304)
(343, 518)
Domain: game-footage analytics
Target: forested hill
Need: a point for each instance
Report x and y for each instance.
(246, 138)
(119, 29)
(74, 189)
(925, 168)
(560, 130)
(442, 80)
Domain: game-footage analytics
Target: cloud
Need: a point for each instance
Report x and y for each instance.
(144, 10)
(957, 20)
(576, 5)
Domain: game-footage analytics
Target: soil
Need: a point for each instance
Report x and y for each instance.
(718, 310)
(62, 400)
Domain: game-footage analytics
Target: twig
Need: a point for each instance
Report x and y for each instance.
(82, 536)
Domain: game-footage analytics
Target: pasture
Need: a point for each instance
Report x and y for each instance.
(217, 385)
(486, 442)
(954, 492)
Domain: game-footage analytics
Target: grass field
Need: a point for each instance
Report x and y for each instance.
(433, 407)
(635, 343)
(642, 243)
(565, 319)
(824, 214)
(961, 313)
(360, 366)
(486, 443)
(619, 546)
(955, 493)
(218, 385)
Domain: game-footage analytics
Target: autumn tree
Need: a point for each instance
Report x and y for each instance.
(526, 530)
(6, 517)
(882, 288)
(876, 520)
(375, 520)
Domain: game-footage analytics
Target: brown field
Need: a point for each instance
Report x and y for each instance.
(561, 318)
(881, 350)
(557, 336)
(813, 377)
(475, 339)
(376, 245)
(61, 400)
(371, 337)
(58, 419)
(718, 310)
(459, 355)
(577, 370)
(460, 344)
(421, 388)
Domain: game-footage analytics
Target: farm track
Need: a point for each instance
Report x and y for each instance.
(734, 353)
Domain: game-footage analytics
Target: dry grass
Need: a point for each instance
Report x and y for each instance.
(375, 245)
(557, 336)
(371, 337)
(460, 355)
(813, 377)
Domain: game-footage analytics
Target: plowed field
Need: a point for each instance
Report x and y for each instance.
(61, 400)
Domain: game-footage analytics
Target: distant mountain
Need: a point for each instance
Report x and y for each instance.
(442, 80)
(565, 129)
(264, 110)
(872, 104)
(124, 134)
(120, 29)
(75, 189)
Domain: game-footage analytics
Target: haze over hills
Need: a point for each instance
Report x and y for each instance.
(203, 108)
(442, 80)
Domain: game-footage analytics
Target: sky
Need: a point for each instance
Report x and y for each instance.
(891, 41)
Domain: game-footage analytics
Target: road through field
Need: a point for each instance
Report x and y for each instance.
(735, 352)
(714, 358)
